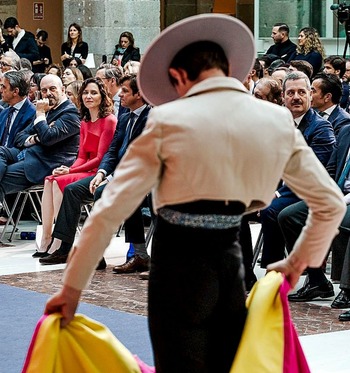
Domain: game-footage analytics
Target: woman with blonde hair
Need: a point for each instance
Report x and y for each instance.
(96, 132)
(310, 49)
(70, 74)
(72, 91)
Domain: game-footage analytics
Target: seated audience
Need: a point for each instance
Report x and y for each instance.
(34, 87)
(125, 50)
(319, 135)
(86, 72)
(269, 89)
(111, 75)
(90, 189)
(52, 139)
(303, 66)
(96, 132)
(10, 60)
(326, 92)
(337, 65)
(70, 74)
(54, 69)
(280, 73)
(292, 220)
(72, 91)
(20, 111)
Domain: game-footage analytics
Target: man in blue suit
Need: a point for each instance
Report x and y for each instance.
(21, 41)
(20, 112)
(90, 189)
(319, 135)
(51, 140)
(292, 219)
(326, 92)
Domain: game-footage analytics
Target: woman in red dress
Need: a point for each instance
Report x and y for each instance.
(96, 132)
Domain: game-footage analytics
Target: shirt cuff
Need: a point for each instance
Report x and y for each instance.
(39, 118)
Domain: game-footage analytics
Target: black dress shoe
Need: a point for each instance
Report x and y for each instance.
(135, 264)
(40, 254)
(344, 316)
(342, 300)
(55, 258)
(311, 292)
(101, 265)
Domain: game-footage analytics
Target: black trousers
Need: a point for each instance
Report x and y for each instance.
(197, 304)
(292, 219)
(77, 194)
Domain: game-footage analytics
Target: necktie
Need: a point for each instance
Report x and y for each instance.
(132, 120)
(128, 134)
(322, 113)
(344, 174)
(7, 126)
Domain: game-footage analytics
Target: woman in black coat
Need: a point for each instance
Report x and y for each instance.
(125, 50)
(74, 46)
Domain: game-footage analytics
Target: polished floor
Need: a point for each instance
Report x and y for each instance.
(324, 338)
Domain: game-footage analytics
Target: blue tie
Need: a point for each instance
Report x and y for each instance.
(128, 134)
(6, 132)
(344, 174)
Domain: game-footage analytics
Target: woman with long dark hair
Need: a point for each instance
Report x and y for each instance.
(74, 46)
(97, 129)
(125, 50)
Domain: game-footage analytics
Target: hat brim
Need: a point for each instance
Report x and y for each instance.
(230, 33)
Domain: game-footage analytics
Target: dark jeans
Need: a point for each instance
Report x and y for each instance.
(197, 305)
(74, 196)
(292, 220)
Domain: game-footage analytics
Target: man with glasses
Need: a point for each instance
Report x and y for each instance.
(110, 75)
(51, 140)
(10, 60)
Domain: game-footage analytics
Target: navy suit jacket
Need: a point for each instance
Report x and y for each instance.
(338, 118)
(337, 160)
(59, 142)
(26, 47)
(112, 157)
(319, 135)
(23, 119)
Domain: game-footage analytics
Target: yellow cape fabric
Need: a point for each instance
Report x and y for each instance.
(261, 349)
(84, 346)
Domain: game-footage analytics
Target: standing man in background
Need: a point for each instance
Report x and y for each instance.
(21, 41)
(283, 47)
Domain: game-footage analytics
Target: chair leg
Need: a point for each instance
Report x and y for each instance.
(150, 232)
(10, 218)
(257, 248)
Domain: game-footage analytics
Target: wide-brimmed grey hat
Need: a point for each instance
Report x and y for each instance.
(230, 33)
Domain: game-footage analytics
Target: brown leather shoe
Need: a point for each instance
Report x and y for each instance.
(135, 264)
(54, 258)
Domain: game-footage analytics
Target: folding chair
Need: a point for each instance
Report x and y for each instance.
(33, 195)
(259, 244)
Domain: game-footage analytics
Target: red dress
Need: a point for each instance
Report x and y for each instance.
(95, 138)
